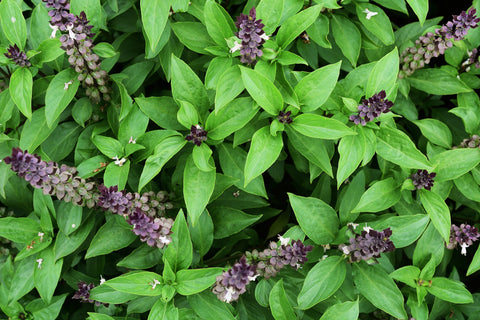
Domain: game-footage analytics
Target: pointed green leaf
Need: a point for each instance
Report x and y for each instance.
(316, 126)
(379, 24)
(450, 290)
(384, 73)
(420, 7)
(140, 283)
(59, 94)
(380, 196)
(21, 84)
(465, 160)
(262, 90)
(154, 17)
(13, 23)
(219, 24)
(279, 305)
(351, 150)
(438, 212)
(296, 24)
(347, 36)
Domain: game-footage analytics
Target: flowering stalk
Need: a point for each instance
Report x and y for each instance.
(371, 108)
(464, 236)
(83, 294)
(142, 211)
(252, 36)
(78, 44)
(422, 179)
(434, 44)
(17, 56)
(472, 142)
(367, 245)
(267, 263)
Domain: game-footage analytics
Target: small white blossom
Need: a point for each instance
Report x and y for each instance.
(367, 229)
(345, 250)
(119, 162)
(369, 13)
(164, 240)
(67, 84)
(464, 248)
(54, 31)
(229, 294)
(71, 34)
(39, 261)
(253, 278)
(154, 284)
(74, 225)
(354, 225)
(102, 279)
(324, 257)
(237, 46)
(41, 234)
(13, 19)
(132, 140)
(283, 241)
(264, 37)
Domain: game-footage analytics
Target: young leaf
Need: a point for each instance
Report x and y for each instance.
(465, 160)
(351, 150)
(202, 233)
(450, 290)
(60, 92)
(49, 50)
(196, 280)
(384, 73)
(164, 310)
(139, 283)
(13, 23)
(295, 25)
(315, 88)
(47, 275)
(378, 288)
(263, 152)
(322, 281)
(35, 131)
(201, 157)
(193, 35)
(229, 221)
(380, 196)
(219, 24)
(262, 90)
(345, 311)
(179, 252)
(316, 126)
(230, 85)
(279, 305)
(379, 24)
(154, 17)
(21, 84)
(435, 131)
(198, 186)
(161, 110)
(395, 146)
(316, 218)
(438, 212)
(347, 37)
(187, 114)
(270, 11)
(108, 146)
(420, 7)
(207, 306)
(437, 81)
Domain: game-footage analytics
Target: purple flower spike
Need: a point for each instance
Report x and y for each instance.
(18, 57)
(252, 35)
(83, 293)
(458, 28)
(371, 108)
(285, 117)
(464, 235)
(197, 135)
(116, 201)
(368, 245)
(422, 179)
(232, 283)
(155, 232)
(30, 167)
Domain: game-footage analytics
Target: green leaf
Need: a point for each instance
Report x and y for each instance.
(229, 221)
(319, 31)
(109, 295)
(468, 110)
(179, 252)
(345, 311)
(196, 280)
(430, 244)
(21, 230)
(69, 217)
(116, 175)
(98, 316)
(394, 5)
(232, 117)
(108, 146)
(435, 131)
(437, 81)
(187, 86)
(380, 196)
(322, 281)
(164, 151)
(475, 264)
(21, 279)
(351, 150)
(187, 114)
(43, 311)
(39, 30)
(163, 310)
(316, 218)
(438, 212)
(378, 24)
(406, 229)
(49, 50)
(143, 257)
(355, 190)
(315, 88)
(21, 84)
(384, 73)
(316, 126)
(82, 110)
(198, 187)
(395, 146)
(296, 24)
(467, 185)
(133, 125)
(104, 50)
(66, 244)
(62, 141)
(57, 97)
(465, 160)
(232, 161)
(201, 157)
(270, 11)
(450, 290)
(94, 11)
(47, 275)
(202, 233)
(312, 149)
(161, 110)
(35, 131)
(207, 306)
(262, 90)
(13, 23)
(139, 283)
(229, 85)
(420, 7)
(347, 37)
(216, 68)
(407, 275)
(279, 305)
(375, 285)
(113, 235)
(193, 35)
(154, 17)
(219, 24)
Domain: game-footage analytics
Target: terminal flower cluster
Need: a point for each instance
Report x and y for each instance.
(232, 283)
(472, 142)
(252, 36)
(422, 179)
(434, 44)
(369, 244)
(143, 211)
(464, 236)
(78, 44)
(371, 108)
(17, 56)
(197, 135)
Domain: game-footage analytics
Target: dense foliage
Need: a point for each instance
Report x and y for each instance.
(260, 159)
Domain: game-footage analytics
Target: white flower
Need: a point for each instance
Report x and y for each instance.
(369, 13)
(283, 241)
(464, 248)
(132, 140)
(164, 240)
(367, 229)
(41, 234)
(237, 46)
(67, 84)
(354, 225)
(102, 279)
(54, 31)
(324, 257)
(74, 225)
(119, 162)
(39, 263)
(229, 294)
(154, 284)
(264, 37)
(71, 34)
(253, 278)
(13, 19)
